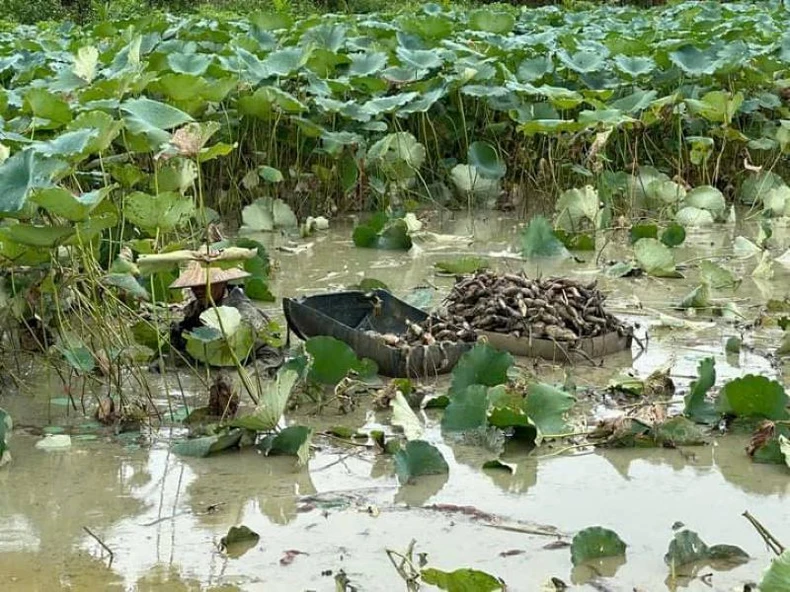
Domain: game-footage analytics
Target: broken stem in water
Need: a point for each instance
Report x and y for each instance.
(770, 540)
(405, 568)
(103, 545)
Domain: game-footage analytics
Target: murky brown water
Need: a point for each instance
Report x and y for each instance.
(345, 509)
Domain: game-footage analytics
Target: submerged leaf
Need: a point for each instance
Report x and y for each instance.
(687, 548)
(461, 580)
(239, 540)
(462, 265)
(594, 543)
(699, 297)
(209, 444)
(717, 276)
(419, 458)
(294, 441)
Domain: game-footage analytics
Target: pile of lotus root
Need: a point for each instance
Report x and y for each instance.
(558, 309)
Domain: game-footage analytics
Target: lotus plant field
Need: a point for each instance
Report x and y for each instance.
(448, 106)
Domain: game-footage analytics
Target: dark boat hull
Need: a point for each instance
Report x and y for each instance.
(351, 316)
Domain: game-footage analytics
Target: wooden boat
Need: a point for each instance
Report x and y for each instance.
(359, 319)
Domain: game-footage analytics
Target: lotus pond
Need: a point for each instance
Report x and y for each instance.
(330, 522)
(643, 149)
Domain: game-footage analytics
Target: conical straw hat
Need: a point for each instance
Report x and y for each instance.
(196, 275)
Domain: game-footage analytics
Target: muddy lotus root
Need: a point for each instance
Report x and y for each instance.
(550, 308)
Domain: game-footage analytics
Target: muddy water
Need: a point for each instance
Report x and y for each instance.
(343, 510)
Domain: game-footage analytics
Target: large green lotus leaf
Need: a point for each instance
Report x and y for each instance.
(180, 88)
(390, 104)
(635, 102)
(163, 212)
(606, 118)
(755, 187)
(272, 403)
(532, 69)
(583, 61)
(267, 214)
(678, 431)
(224, 340)
(468, 180)
(595, 542)
(189, 63)
(694, 61)
(467, 410)
(106, 128)
(404, 418)
(261, 102)
(461, 580)
(207, 445)
(36, 235)
(95, 224)
(47, 106)
(483, 365)
(634, 65)
(697, 406)
(283, 62)
(330, 36)
(539, 240)
(708, 198)
(85, 62)
(692, 217)
(381, 232)
(687, 548)
(577, 208)
(419, 458)
(428, 26)
(271, 21)
(61, 202)
(492, 21)
(753, 396)
(367, 63)
(485, 158)
(777, 577)
(69, 144)
(6, 426)
(419, 58)
(128, 283)
(332, 359)
(20, 174)
(776, 201)
(178, 174)
(655, 258)
(717, 106)
(150, 119)
(294, 441)
(546, 407)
